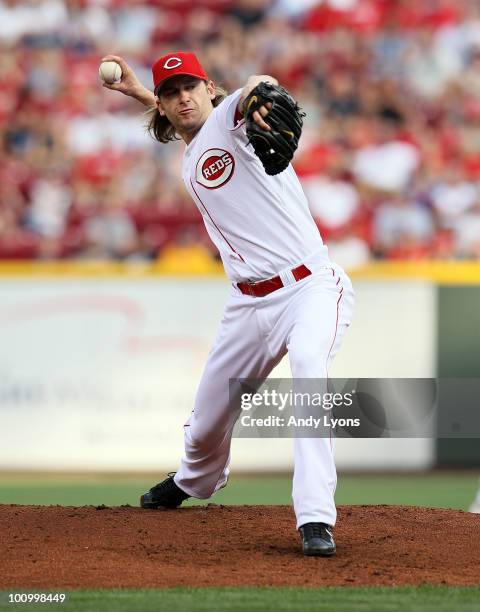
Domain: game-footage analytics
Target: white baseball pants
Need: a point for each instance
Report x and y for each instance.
(306, 318)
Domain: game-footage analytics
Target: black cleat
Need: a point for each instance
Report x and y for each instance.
(165, 494)
(317, 540)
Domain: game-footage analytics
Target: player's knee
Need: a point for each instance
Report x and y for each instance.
(203, 438)
(195, 437)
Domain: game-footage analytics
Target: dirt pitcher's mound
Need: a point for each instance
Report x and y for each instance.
(67, 547)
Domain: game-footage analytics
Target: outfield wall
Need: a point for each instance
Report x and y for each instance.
(98, 370)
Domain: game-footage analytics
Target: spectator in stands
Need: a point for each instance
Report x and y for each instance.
(390, 153)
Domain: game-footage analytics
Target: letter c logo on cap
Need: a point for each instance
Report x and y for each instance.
(172, 62)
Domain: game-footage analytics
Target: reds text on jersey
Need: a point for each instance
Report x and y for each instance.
(260, 224)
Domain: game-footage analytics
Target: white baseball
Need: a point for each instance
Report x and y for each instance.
(110, 72)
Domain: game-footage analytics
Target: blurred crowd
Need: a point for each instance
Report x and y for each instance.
(389, 158)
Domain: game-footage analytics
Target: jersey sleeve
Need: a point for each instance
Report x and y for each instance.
(226, 112)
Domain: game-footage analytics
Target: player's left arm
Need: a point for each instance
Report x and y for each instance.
(251, 83)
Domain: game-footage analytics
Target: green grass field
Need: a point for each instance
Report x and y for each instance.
(420, 599)
(437, 489)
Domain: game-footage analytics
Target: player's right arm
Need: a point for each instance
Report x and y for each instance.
(129, 84)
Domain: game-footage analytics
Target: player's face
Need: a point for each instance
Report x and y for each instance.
(186, 102)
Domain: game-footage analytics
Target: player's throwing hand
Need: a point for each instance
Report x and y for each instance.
(129, 83)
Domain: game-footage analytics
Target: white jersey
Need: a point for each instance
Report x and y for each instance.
(260, 224)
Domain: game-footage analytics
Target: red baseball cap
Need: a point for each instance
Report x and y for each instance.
(176, 63)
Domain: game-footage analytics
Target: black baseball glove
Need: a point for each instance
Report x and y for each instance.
(274, 148)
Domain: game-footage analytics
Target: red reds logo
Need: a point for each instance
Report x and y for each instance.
(214, 168)
(172, 62)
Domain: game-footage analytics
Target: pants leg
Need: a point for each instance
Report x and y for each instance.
(238, 351)
(318, 327)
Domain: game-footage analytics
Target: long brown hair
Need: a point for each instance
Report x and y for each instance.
(160, 128)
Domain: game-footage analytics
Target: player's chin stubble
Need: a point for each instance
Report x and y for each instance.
(191, 124)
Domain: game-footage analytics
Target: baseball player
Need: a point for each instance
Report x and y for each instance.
(475, 507)
(286, 295)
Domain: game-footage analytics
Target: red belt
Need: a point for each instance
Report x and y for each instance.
(264, 287)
